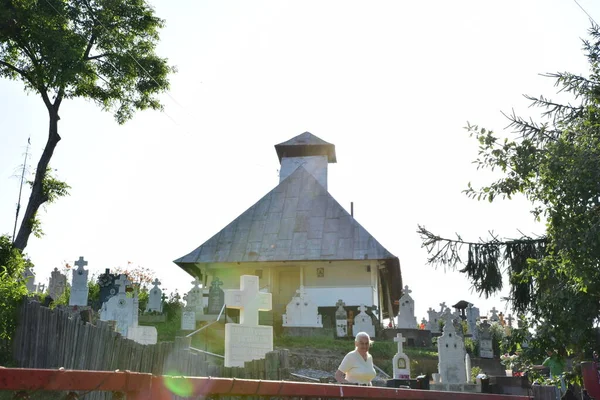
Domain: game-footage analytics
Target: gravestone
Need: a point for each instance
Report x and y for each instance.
(216, 297)
(41, 288)
(120, 308)
(143, 334)
(451, 354)
(508, 326)
(494, 317)
(195, 300)
(472, 318)
(302, 312)
(401, 361)
(486, 349)
(188, 320)
(29, 278)
(79, 284)
(468, 366)
(433, 324)
(406, 312)
(341, 319)
(57, 284)
(363, 323)
(247, 340)
(155, 298)
(108, 287)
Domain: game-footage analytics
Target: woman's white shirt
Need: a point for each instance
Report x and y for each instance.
(357, 369)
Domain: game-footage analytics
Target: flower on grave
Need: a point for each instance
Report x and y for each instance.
(508, 360)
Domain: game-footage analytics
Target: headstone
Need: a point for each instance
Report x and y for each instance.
(363, 323)
(120, 308)
(57, 284)
(468, 367)
(472, 318)
(494, 317)
(29, 278)
(433, 324)
(108, 287)
(406, 312)
(510, 320)
(247, 340)
(188, 320)
(486, 349)
(451, 354)
(195, 300)
(302, 312)
(508, 326)
(216, 297)
(401, 361)
(79, 284)
(41, 288)
(155, 298)
(143, 334)
(341, 319)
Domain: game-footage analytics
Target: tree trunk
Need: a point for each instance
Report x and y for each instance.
(38, 197)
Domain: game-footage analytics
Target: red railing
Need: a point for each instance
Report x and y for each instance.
(145, 386)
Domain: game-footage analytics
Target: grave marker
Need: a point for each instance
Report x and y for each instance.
(341, 319)
(79, 284)
(155, 298)
(406, 312)
(302, 312)
(451, 354)
(216, 297)
(401, 361)
(57, 284)
(363, 323)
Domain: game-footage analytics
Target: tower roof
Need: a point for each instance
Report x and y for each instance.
(306, 144)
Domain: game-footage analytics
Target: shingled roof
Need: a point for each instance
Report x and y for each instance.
(306, 144)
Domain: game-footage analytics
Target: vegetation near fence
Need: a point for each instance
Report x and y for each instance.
(52, 339)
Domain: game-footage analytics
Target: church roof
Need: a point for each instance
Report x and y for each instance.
(297, 220)
(306, 144)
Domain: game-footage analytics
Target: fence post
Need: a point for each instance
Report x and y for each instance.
(272, 365)
(284, 364)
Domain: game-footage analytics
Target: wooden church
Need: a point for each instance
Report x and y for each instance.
(299, 235)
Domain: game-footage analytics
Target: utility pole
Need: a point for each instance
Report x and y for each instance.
(21, 188)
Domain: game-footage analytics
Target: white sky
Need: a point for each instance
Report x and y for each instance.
(390, 83)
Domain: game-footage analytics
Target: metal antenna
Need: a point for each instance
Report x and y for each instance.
(21, 187)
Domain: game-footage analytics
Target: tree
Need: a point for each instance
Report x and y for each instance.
(554, 163)
(101, 50)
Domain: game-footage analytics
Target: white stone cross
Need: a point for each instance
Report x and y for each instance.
(510, 320)
(81, 263)
(196, 283)
(399, 339)
(340, 303)
(156, 282)
(122, 282)
(362, 308)
(406, 290)
(248, 299)
(442, 305)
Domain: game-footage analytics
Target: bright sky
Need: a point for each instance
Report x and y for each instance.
(390, 83)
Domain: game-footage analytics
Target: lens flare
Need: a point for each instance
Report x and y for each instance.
(177, 384)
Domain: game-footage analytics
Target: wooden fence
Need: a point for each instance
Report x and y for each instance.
(52, 339)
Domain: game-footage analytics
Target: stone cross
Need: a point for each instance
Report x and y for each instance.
(510, 320)
(443, 306)
(406, 290)
(494, 316)
(123, 282)
(340, 303)
(216, 283)
(399, 339)
(248, 299)
(196, 283)
(156, 282)
(362, 308)
(81, 263)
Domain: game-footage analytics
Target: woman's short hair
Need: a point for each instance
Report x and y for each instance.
(362, 335)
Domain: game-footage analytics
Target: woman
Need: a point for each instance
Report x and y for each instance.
(357, 366)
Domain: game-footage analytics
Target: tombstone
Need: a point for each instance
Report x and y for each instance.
(29, 278)
(57, 284)
(472, 318)
(341, 319)
(433, 324)
(40, 288)
(108, 287)
(486, 349)
(155, 298)
(508, 326)
(494, 317)
(302, 312)
(188, 320)
(451, 354)
(194, 299)
(406, 312)
(468, 367)
(401, 361)
(247, 340)
(363, 323)
(143, 334)
(79, 284)
(120, 308)
(216, 297)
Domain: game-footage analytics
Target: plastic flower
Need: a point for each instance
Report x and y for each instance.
(508, 360)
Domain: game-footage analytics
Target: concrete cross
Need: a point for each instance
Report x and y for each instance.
(196, 283)
(340, 303)
(406, 290)
(123, 282)
(510, 320)
(81, 263)
(362, 308)
(442, 305)
(399, 339)
(156, 283)
(494, 316)
(248, 299)
(216, 283)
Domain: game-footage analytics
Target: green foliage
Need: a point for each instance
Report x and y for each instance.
(555, 164)
(172, 306)
(474, 372)
(472, 347)
(12, 291)
(93, 290)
